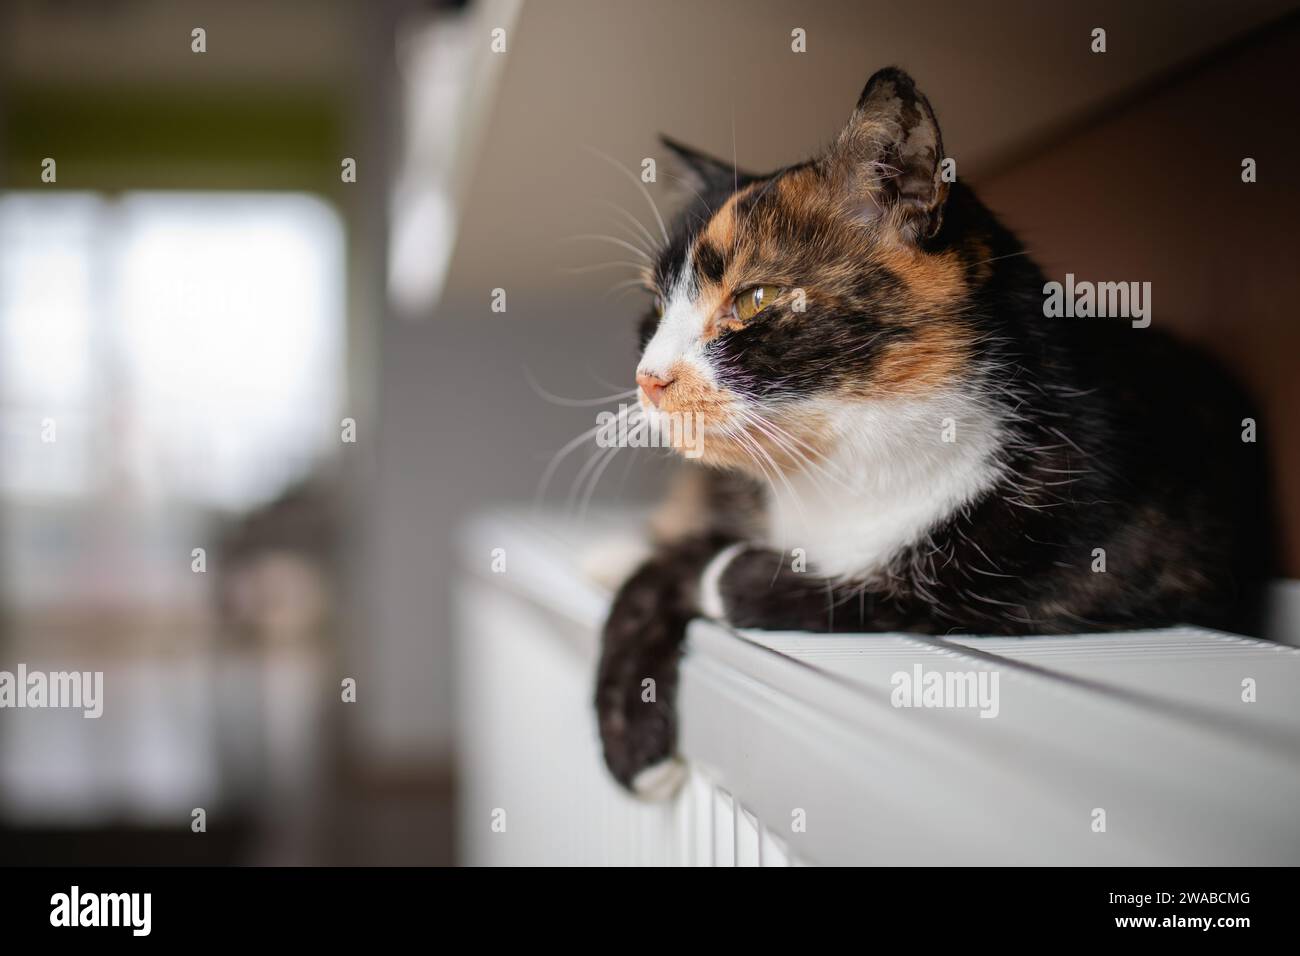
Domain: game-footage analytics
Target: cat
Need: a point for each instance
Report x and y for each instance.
(898, 437)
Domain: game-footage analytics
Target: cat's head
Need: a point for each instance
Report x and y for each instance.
(780, 299)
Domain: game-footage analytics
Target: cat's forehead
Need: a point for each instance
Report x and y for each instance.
(793, 229)
(725, 231)
(786, 229)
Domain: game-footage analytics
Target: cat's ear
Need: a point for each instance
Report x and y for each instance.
(702, 172)
(887, 160)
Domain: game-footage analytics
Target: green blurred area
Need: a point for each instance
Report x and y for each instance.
(148, 138)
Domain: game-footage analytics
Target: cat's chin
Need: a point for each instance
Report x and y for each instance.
(744, 437)
(755, 453)
(723, 452)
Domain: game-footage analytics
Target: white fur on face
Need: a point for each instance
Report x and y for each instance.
(892, 475)
(895, 479)
(680, 335)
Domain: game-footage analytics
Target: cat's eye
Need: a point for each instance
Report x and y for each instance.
(659, 306)
(753, 301)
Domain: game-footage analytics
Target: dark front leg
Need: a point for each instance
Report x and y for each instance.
(747, 586)
(636, 682)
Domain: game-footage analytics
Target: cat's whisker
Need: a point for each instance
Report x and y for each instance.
(623, 243)
(625, 286)
(651, 246)
(787, 443)
(768, 185)
(884, 170)
(758, 449)
(559, 457)
(580, 478)
(631, 418)
(601, 381)
(735, 163)
(757, 421)
(572, 402)
(807, 471)
(633, 238)
(758, 416)
(689, 185)
(736, 437)
(767, 455)
(762, 469)
(595, 480)
(1009, 255)
(663, 229)
(691, 211)
(596, 267)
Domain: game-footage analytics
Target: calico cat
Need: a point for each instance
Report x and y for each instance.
(883, 395)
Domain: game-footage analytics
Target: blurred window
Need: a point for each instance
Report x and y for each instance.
(183, 345)
(185, 352)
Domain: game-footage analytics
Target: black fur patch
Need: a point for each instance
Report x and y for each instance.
(709, 261)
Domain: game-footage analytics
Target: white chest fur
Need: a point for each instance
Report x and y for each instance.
(898, 468)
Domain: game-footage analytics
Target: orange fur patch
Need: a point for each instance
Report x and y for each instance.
(934, 281)
(691, 393)
(721, 230)
(929, 359)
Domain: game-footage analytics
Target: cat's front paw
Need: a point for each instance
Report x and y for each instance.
(636, 689)
(639, 743)
(638, 729)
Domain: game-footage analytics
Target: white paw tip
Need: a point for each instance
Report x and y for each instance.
(661, 780)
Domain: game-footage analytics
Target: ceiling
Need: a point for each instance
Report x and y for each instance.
(120, 42)
(609, 76)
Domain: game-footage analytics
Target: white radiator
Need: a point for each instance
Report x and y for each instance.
(1164, 747)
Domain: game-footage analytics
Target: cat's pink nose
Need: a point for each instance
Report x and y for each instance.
(653, 386)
